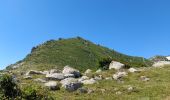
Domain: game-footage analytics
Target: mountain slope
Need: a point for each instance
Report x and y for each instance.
(76, 52)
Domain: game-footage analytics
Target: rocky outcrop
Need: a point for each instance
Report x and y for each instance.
(161, 63)
(17, 65)
(32, 72)
(158, 58)
(55, 76)
(116, 65)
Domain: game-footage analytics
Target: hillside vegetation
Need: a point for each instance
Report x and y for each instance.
(76, 52)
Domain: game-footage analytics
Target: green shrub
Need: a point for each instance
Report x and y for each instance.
(8, 88)
(35, 93)
(104, 63)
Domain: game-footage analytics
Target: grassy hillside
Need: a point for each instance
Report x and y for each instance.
(158, 88)
(76, 52)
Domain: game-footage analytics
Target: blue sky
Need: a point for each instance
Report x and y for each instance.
(133, 27)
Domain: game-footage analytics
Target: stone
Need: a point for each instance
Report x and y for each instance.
(130, 89)
(119, 75)
(73, 86)
(98, 78)
(83, 90)
(70, 70)
(98, 71)
(52, 85)
(28, 77)
(133, 70)
(52, 71)
(32, 72)
(161, 63)
(18, 65)
(69, 75)
(118, 93)
(68, 81)
(90, 81)
(103, 90)
(88, 71)
(116, 65)
(144, 78)
(90, 91)
(108, 78)
(45, 72)
(40, 80)
(55, 76)
(83, 78)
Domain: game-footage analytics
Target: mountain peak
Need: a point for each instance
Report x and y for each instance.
(76, 52)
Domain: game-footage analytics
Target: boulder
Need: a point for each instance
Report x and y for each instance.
(161, 63)
(88, 71)
(55, 76)
(168, 57)
(116, 65)
(98, 71)
(90, 81)
(52, 85)
(119, 75)
(133, 70)
(73, 86)
(70, 70)
(67, 81)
